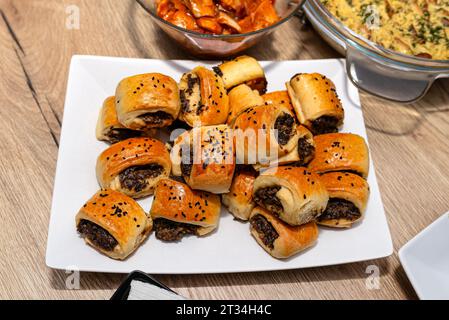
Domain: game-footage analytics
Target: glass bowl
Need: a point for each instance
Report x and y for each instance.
(373, 68)
(220, 46)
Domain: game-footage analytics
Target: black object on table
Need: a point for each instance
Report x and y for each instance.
(124, 289)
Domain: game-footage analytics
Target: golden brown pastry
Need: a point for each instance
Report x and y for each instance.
(243, 70)
(348, 197)
(178, 210)
(109, 129)
(113, 223)
(147, 101)
(204, 100)
(204, 157)
(278, 98)
(295, 194)
(340, 152)
(278, 238)
(133, 166)
(241, 98)
(239, 200)
(300, 156)
(264, 133)
(316, 102)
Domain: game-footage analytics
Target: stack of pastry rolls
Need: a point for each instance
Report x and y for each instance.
(307, 174)
(137, 165)
(318, 176)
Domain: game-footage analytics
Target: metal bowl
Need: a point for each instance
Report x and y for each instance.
(373, 68)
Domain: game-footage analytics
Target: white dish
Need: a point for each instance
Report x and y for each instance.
(231, 248)
(425, 259)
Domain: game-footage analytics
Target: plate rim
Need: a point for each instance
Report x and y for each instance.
(404, 252)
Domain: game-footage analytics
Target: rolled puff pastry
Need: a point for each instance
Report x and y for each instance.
(147, 101)
(340, 152)
(278, 98)
(133, 166)
(204, 100)
(348, 197)
(278, 238)
(243, 70)
(241, 98)
(294, 194)
(113, 223)
(177, 202)
(300, 156)
(239, 200)
(316, 102)
(109, 129)
(264, 133)
(205, 158)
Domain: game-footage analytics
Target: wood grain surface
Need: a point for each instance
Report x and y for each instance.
(409, 145)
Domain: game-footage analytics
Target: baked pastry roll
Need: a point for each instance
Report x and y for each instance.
(264, 133)
(204, 100)
(177, 210)
(243, 70)
(300, 156)
(340, 152)
(316, 102)
(147, 101)
(278, 98)
(239, 200)
(133, 166)
(294, 194)
(113, 223)
(109, 129)
(204, 157)
(348, 197)
(278, 238)
(241, 98)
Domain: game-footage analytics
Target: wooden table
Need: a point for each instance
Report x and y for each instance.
(409, 145)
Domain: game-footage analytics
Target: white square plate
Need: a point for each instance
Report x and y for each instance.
(425, 259)
(231, 248)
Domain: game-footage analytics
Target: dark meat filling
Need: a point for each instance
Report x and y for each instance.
(97, 235)
(186, 163)
(305, 151)
(266, 231)
(192, 81)
(167, 230)
(325, 124)
(135, 178)
(340, 209)
(184, 101)
(258, 84)
(267, 198)
(218, 71)
(284, 126)
(119, 134)
(156, 118)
